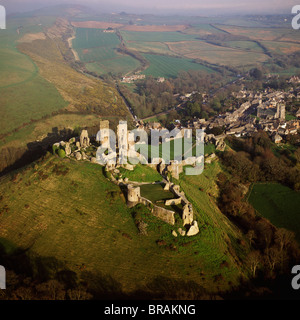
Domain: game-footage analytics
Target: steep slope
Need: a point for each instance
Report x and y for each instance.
(65, 215)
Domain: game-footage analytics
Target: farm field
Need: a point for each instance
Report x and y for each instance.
(202, 30)
(245, 45)
(122, 64)
(216, 54)
(156, 36)
(263, 34)
(94, 38)
(166, 66)
(150, 47)
(281, 47)
(126, 27)
(183, 40)
(99, 51)
(277, 203)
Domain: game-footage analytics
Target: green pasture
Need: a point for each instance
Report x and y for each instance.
(279, 204)
(168, 67)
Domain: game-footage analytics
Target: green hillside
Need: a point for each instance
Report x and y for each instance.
(36, 97)
(68, 212)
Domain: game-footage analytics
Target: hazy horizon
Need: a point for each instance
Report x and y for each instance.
(189, 7)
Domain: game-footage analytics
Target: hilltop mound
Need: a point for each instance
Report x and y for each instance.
(65, 215)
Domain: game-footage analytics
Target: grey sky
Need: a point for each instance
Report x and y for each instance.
(216, 7)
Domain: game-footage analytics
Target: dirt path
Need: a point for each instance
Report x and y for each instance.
(71, 47)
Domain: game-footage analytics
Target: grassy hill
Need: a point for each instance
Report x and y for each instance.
(36, 97)
(221, 237)
(65, 215)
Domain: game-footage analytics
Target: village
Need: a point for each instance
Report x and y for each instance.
(258, 110)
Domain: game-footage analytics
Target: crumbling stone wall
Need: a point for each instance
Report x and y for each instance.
(164, 214)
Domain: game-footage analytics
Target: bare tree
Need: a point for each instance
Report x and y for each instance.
(254, 260)
(51, 290)
(250, 236)
(272, 258)
(283, 238)
(79, 293)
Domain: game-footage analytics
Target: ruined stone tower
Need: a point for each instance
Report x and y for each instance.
(133, 195)
(103, 138)
(187, 215)
(84, 139)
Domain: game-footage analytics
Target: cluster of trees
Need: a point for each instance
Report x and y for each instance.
(22, 287)
(257, 160)
(273, 251)
(150, 97)
(287, 61)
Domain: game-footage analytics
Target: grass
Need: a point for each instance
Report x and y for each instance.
(209, 148)
(155, 118)
(281, 47)
(36, 97)
(155, 192)
(94, 38)
(260, 33)
(202, 29)
(80, 91)
(121, 64)
(141, 173)
(277, 203)
(218, 233)
(167, 66)
(149, 47)
(245, 45)
(289, 117)
(98, 50)
(155, 36)
(216, 54)
(67, 211)
(173, 150)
